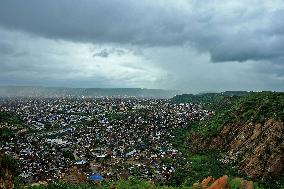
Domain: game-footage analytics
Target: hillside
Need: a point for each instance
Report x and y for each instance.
(249, 135)
(213, 101)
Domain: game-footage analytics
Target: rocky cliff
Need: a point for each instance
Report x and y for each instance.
(257, 149)
(252, 139)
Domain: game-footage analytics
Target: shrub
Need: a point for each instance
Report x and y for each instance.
(235, 184)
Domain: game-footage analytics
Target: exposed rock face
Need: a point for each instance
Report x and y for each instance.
(256, 149)
(223, 183)
(220, 183)
(207, 182)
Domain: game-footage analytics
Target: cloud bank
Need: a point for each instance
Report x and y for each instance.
(185, 44)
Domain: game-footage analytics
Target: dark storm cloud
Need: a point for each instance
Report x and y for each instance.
(152, 24)
(96, 21)
(6, 48)
(276, 26)
(242, 49)
(275, 67)
(236, 36)
(97, 41)
(249, 35)
(103, 53)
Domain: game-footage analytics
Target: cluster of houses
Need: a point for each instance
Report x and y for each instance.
(112, 137)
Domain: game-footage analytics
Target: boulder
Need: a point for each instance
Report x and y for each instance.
(207, 181)
(220, 183)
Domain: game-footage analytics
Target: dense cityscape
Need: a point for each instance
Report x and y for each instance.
(142, 94)
(112, 137)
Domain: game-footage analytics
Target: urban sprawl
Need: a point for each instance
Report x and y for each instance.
(112, 137)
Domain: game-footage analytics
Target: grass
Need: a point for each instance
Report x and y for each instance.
(235, 184)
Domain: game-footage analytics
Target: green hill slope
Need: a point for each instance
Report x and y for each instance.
(248, 135)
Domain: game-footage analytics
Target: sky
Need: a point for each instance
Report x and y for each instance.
(187, 45)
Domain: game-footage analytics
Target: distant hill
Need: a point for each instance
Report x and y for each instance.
(213, 101)
(235, 93)
(22, 91)
(198, 98)
(206, 97)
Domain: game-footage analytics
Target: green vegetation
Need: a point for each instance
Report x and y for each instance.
(207, 164)
(9, 163)
(201, 165)
(6, 131)
(200, 98)
(213, 101)
(10, 118)
(235, 183)
(62, 185)
(252, 107)
(131, 183)
(255, 108)
(259, 106)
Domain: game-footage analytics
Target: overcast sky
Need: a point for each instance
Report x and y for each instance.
(189, 45)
